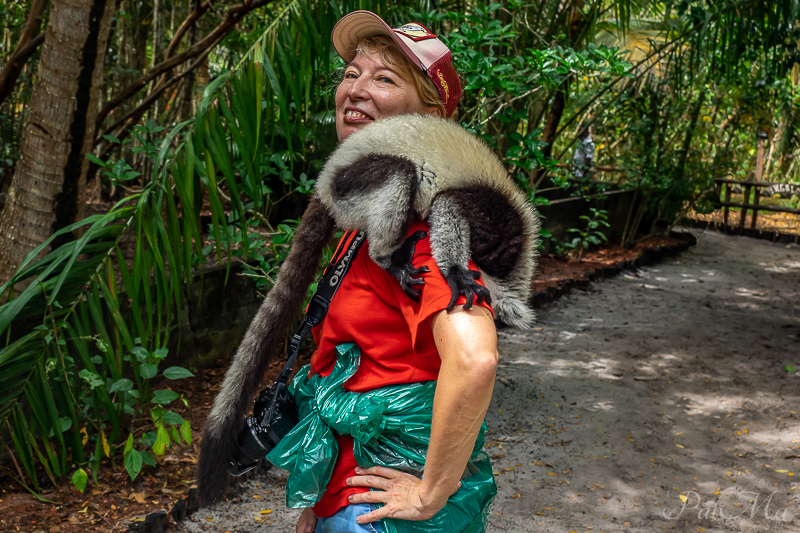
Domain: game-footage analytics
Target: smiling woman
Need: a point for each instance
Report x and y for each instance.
(406, 355)
(403, 343)
(382, 82)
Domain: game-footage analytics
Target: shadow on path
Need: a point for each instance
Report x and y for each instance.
(658, 401)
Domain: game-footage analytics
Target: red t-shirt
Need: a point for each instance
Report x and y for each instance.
(393, 333)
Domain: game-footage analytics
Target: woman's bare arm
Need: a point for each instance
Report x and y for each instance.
(467, 345)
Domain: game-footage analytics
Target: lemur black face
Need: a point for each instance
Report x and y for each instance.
(371, 91)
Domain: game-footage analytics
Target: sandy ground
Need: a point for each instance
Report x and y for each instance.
(657, 401)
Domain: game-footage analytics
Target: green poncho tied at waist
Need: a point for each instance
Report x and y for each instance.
(391, 426)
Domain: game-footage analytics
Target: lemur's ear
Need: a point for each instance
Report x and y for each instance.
(265, 334)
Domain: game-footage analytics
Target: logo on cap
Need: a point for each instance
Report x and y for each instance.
(443, 83)
(415, 31)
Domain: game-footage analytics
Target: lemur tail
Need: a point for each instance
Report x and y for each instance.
(249, 365)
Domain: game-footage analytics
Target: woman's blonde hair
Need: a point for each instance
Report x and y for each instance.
(396, 60)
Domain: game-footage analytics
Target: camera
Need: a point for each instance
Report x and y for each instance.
(274, 415)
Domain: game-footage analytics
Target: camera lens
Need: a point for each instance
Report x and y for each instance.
(249, 448)
(255, 440)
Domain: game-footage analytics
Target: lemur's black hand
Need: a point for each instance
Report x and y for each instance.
(403, 269)
(462, 281)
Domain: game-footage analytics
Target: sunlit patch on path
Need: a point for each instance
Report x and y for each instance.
(658, 401)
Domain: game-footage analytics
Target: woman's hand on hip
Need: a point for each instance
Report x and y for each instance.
(307, 521)
(402, 494)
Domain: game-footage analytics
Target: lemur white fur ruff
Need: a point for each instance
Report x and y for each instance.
(365, 185)
(378, 180)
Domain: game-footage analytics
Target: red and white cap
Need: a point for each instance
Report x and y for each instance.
(416, 41)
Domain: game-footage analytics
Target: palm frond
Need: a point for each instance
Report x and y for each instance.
(100, 310)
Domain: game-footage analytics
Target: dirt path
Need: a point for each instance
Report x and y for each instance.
(659, 386)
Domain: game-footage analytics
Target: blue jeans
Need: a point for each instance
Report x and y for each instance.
(344, 521)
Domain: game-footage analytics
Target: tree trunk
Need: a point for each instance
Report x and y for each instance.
(29, 41)
(551, 126)
(47, 189)
(157, 23)
(187, 98)
(683, 155)
(575, 29)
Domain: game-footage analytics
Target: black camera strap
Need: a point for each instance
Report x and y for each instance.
(318, 306)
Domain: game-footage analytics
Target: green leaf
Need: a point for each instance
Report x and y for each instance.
(790, 368)
(148, 459)
(164, 396)
(79, 479)
(91, 378)
(133, 463)
(66, 423)
(162, 440)
(160, 353)
(156, 413)
(186, 432)
(128, 444)
(171, 417)
(140, 353)
(95, 160)
(177, 372)
(148, 371)
(122, 385)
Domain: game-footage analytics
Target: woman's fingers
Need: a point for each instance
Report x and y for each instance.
(383, 471)
(376, 477)
(373, 516)
(368, 497)
(375, 482)
(398, 491)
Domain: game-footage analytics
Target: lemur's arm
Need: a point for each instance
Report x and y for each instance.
(450, 245)
(402, 268)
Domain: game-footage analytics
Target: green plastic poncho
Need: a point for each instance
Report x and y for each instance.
(391, 426)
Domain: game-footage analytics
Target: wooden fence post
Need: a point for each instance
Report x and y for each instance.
(760, 157)
(762, 137)
(726, 209)
(744, 209)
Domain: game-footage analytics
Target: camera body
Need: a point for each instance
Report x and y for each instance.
(274, 415)
(275, 411)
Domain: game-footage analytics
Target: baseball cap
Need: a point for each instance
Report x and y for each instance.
(416, 41)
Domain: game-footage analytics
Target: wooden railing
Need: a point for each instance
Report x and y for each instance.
(755, 207)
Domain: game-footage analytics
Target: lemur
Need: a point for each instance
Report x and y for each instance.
(378, 180)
